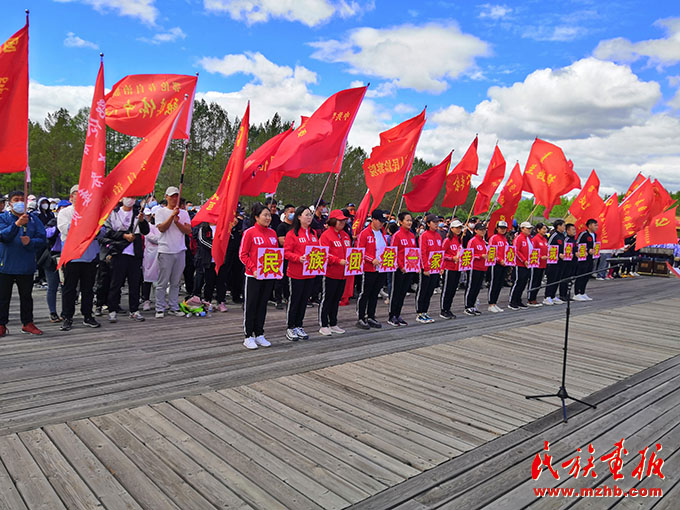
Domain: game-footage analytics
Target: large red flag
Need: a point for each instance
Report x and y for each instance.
(635, 208)
(317, 146)
(660, 230)
(233, 174)
(427, 186)
(548, 174)
(639, 179)
(662, 199)
(458, 180)
(508, 199)
(138, 102)
(609, 222)
(588, 204)
(85, 225)
(14, 102)
(361, 214)
(492, 179)
(257, 174)
(385, 169)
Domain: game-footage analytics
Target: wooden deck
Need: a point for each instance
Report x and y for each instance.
(181, 416)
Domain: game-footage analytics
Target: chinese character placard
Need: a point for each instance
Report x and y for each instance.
(491, 256)
(510, 256)
(568, 251)
(269, 264)
(553, 254)
(316, 261)
(582, 252)
(534, 259)
(412, 260)
(388, 260)
(355, 261)
(596, 250)
(465, 262)
(435, 262)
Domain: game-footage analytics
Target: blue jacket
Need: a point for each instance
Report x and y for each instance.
(15, 258)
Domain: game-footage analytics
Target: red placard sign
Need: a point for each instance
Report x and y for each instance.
(269, 264)
(435, 261)
(412, 260)
(388, 260)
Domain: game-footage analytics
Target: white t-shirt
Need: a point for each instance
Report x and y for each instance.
(172, 240)
(380, 243)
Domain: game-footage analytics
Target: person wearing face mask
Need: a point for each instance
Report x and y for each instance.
(21, 237)
(320, 218)
(125, 227)
(44, 212)
(281, 287)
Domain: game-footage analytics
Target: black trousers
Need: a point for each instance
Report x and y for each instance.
(582, 268)
(103, 283)
(535, 280)
(553, 273)
(521, 278)
(204, 282)
(400, 285)
(496, 283)
(281, 287)
(189, 270)
(300, 290)
(475, 282)
(25, 285)
(451, 281)
(125, 267)
(371, 283)
(257, 293)
(331, 294)
(426, 286)
(146, 291)
(569, 269)
(74, 273)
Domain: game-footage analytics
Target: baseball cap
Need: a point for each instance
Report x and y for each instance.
(337, 214)
(74, 188)
(378, 214)
(431, 217)
(172, 190)
(525, 224)
(63, 203)
(456, 223)
(480, 225)
(502, 224)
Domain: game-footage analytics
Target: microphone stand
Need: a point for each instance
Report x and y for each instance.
(562, 393)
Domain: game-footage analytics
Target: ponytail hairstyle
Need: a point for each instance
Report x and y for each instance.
(256, 210)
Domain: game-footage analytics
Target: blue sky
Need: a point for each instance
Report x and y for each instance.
(599, 79)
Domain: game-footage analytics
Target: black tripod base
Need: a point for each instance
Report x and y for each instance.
(563, 395)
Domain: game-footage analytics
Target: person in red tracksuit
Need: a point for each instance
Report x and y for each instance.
(523, 247)
(429, 241)
(451, 247)
(540, 243)
(337, 240)
(297, 239)
(500, 241)
(401, 280)
(372, 239)
(256, 291)
(476, 277)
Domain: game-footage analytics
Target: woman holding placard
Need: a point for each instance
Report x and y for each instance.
(451, 247)
(337, 240)
(500, 241)
(298, 238)
(257, 291)
(478, 272)
(430, 243)
(404, 239)
(540, 243)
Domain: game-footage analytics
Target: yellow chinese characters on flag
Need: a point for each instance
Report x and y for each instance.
(510, 259)
(553, 254)
(355, 261)
(316, 261)
(138, 102)
(269, 264)
(388, 260)
(491, 256)
(465, 262)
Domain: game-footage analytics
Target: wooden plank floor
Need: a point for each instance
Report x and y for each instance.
(344, 424)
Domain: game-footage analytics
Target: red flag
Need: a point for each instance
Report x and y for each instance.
(635, 208)
(138, 102)
(85, 225)
(662, 199)
(509, 199)
(319, 143)
(548, 174)
(588, 204)
(609, 222)
(14, 102)
(660, 230)
(385, 169)
(233, 174)
(492, 178)
(257, 175)
(427, 186)
(361, 214)
(458, 180)
(639, 179)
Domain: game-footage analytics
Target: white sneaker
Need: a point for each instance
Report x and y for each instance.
(535, 305)
(250, 343)
(579, 297)
(383, 294)
(262, 341)
(557, 301)
(586, 297)
(325, 331)
(160, 315)
(146, 306)
(600, 279)
(113, 317)
(548, 301)
(498, 308)
(337, 329)
(635, 273)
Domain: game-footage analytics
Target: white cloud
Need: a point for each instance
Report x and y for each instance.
(308, 12)
(675, 101)
(422, 57)
(559, 33)
(494, 12)
(44, 99)
(384, 89)
(660, 52)
(171, 35)
(144, 10)
(73, 41)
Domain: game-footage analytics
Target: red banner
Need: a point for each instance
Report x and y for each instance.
(14, 102)
(492, 179)
(427, 186)
(458, 180)
(138, 102)
(361, 214)
(257, 174)
(635, 209)
(509, 199)
(588, 204)
(639, 179)
(610, 225)
(84, 226)
(660, 230)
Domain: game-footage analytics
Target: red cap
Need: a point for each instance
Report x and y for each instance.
(337, 214)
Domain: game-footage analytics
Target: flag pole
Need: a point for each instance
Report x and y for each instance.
(324, 188)
(184, 162)
(27, 170)
(532, 212)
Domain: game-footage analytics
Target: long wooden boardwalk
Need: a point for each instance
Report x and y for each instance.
(181, 416)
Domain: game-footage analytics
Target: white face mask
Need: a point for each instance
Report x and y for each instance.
(44, 206)
(128, 202)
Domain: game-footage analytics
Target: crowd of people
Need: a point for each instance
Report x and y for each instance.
(151, 247)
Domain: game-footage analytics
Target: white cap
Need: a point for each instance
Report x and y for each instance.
(456, 223)
(74, 188)
(525, 224)
(172, 190)
(147, 211)
(502, 224)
